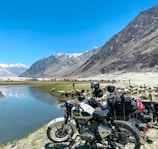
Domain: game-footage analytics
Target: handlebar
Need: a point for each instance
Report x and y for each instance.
(95, 103)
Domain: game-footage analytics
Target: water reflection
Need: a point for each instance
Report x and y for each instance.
(44, 97)
(23, 110)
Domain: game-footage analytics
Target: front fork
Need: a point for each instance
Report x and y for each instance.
(65, 124)
(66, 117)
(68, 122)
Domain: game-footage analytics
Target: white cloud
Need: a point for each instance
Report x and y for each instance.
(95, 47)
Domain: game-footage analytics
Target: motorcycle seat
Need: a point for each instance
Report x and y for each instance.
(100, 115)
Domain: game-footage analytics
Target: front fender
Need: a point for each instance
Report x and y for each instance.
(59, 120)
(55, 121)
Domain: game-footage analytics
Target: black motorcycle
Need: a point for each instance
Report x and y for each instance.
(123, 107)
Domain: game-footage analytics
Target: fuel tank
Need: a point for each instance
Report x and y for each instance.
(83, 111)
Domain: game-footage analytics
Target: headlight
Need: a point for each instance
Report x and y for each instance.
(63, 106)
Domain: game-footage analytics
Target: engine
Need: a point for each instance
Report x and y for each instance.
(89, 130)
(85, 130)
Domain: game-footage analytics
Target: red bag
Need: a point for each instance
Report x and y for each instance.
(141, 107)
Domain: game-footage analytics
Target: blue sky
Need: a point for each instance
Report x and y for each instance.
(35, 29)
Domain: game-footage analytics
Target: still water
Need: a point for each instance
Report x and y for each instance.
(24, 110)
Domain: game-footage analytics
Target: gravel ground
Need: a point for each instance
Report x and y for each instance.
(39, 140)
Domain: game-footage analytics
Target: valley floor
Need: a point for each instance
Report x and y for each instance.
(138, 78)
(135, 78)
(39, 140)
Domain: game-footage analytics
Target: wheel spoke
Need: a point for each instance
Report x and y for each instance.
(56, 133)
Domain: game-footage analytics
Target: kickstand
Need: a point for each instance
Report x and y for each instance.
(74, 137)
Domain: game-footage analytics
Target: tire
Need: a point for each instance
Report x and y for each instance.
(55, 133)
(124, 137)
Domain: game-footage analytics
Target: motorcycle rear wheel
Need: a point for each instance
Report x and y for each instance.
(56, 133)
(124, 137)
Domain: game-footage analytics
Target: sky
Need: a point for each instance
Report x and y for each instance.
(34, 29)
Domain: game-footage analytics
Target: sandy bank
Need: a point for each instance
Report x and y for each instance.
(148, 78)
(139, 78)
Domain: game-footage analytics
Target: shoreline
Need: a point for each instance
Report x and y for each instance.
(33, 140)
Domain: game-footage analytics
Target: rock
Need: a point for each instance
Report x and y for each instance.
(1, 94)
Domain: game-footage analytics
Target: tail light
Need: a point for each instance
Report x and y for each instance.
(142, 134)
(145, 128)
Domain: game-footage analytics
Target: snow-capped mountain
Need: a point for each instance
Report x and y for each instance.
(58, 55)
(133, 49)
(8, 70)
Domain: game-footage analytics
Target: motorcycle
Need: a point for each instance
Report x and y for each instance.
(123, 108)
(138, 117)
(151, 108)
(94, 127)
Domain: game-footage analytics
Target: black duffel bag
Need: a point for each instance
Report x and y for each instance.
(121, 105)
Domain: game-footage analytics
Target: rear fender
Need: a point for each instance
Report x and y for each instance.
(131, 124)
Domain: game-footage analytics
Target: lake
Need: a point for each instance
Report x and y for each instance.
(24, 110)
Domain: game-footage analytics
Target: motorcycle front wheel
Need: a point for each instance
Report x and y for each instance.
(124, 137)
(58, 133)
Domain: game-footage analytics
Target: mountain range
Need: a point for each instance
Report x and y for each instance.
(12, 69)
(133, 49)
(58, 65)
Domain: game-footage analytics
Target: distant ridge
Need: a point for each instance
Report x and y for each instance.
(58, 65)
(134, 49)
